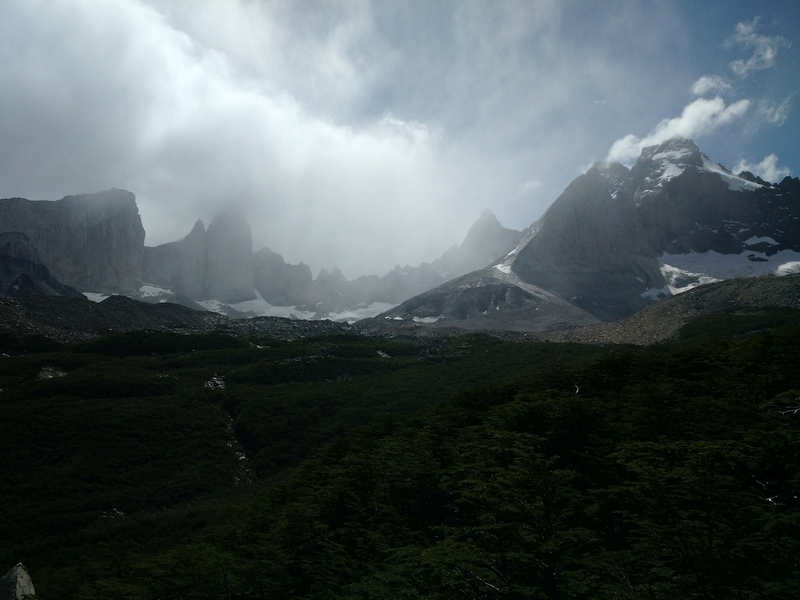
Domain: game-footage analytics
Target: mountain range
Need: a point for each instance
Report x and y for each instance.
(616, 240)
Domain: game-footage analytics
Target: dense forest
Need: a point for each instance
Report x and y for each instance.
(152, 465)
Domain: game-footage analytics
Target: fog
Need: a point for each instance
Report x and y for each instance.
(362, 134)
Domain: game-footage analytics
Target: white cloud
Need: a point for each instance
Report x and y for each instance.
(772, 113)
(176, 119)
(765, 48)
(710, 83)
(698, 118)
(356, 133)
(767, 169)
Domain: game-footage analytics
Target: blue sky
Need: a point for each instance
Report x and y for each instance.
(366, 134)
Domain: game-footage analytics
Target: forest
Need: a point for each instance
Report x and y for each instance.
(155, 465)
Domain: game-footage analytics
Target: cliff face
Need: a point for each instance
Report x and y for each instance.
(92, 242)
(180, 265)
(22, 272)
(229, 258)
(279, 283)
(215, 264)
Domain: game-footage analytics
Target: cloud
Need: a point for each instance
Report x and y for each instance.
(359, 134)
(772, 113)
(698, 118)
(710, 83)
(765, 48)
(767, 169)
(128, 99)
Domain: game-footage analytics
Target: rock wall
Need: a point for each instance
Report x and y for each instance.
(215, 264)
(22, 272)
(229, 258)
(279, 283)
(92, 242)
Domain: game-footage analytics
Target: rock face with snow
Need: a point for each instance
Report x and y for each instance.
(617, 238)
(89, 242)
(491, 299)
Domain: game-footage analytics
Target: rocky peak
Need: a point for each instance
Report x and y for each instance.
(659, 164)
(676, 150)
(229, 258)
(790, 185)
(486, 241)
(198, 231)
(607, 255)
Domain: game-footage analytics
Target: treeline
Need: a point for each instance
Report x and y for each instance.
(367, 468)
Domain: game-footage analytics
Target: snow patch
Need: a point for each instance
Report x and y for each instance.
(686, 271)
(261, 308)
(95, 296)
(734, 183)
(670, 171)
(757, 240)
(427, 319)
(505, 268)
(673, 155)
(363, 312)
(149, 291)
(213, 306)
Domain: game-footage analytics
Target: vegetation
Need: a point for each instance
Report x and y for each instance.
(153, 465)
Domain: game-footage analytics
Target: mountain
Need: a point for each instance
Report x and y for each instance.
(490, 299)
(89, 242)
(279, 283)
(205, 265)
(484, 242)
(618, 239)
(95, 243)
(22, 272)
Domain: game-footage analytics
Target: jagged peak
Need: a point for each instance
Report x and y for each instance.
(199, 228)
(610, 170)
(487, 224)
(675, 150)
(747, 175)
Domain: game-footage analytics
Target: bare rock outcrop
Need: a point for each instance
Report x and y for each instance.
(229, 258)
(22, 272)
(214, 264)
(279, 283)
(92, 242)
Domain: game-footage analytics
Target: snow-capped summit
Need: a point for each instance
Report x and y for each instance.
(677, 219)
(617, 239)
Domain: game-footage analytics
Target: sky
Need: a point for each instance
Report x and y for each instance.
(366, 134)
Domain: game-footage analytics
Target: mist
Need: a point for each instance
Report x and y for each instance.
(362, 135)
